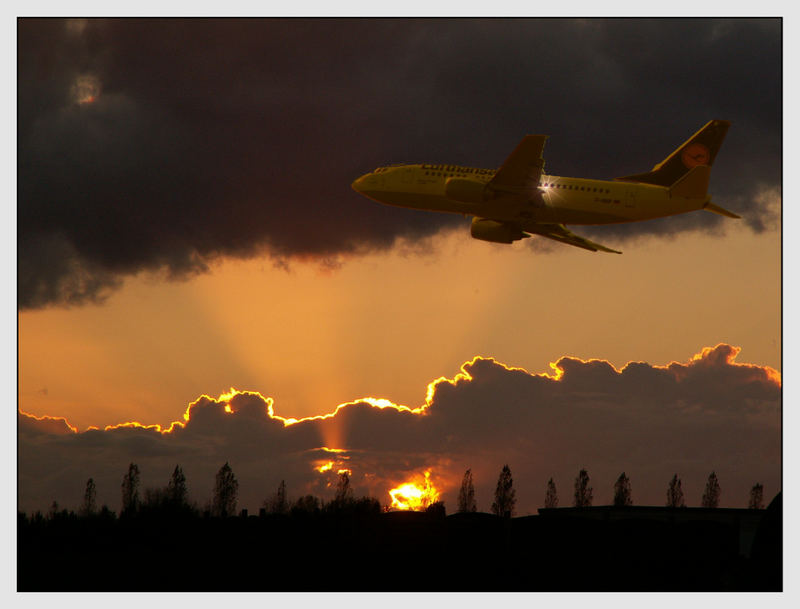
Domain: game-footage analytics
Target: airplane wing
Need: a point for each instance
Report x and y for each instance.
(559, 232)
(522, 168)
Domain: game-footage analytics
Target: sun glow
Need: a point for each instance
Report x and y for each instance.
(85, 89)
(414, 495)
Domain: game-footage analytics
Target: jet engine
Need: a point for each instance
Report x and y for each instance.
(466, 191)
(496, 232)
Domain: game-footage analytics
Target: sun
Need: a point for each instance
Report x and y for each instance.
(414, 495)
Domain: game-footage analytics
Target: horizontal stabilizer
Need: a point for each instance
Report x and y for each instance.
(719, 210)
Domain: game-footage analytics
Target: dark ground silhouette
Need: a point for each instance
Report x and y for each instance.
(352, 550)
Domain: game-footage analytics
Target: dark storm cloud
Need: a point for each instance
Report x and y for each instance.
(709, 413)
(210, 138)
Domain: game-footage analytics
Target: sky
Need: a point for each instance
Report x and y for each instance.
(185, 227)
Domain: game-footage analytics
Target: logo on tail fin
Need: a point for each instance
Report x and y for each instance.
(695, 154)
(699, 150)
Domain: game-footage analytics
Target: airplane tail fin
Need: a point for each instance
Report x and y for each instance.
(680, 166)
(693, 184)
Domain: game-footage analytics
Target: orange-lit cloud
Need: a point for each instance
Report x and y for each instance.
(337, 463)
(324, 467)
(135, 424)
(650, 421)
(45, 424)
(727, 353)
(226, 401)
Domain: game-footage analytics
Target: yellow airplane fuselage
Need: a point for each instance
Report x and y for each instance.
(559, 199)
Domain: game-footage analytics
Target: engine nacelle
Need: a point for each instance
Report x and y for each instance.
(496, 232)
(466, 191)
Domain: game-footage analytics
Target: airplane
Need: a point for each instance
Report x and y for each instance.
(519, 200)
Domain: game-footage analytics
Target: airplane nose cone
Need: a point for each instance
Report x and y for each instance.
(363, 183)
(367, 184)
(358, 184)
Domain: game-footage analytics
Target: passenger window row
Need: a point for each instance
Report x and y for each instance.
(571, 187)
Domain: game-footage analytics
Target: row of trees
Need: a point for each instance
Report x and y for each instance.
(174, 496)
(505, 495)
(344, 499)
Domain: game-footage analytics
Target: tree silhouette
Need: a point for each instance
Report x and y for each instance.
(344, 494)
(551, 496)
(504, 495)
(436, 509)
(756, 497)
(675, 493)
(278, 504)
(367, 506)
(176, 488)
(130, 490)
(622, 491)
(89, 498)
(466, 496)
(306, 505)
(226, 489)
(712, 492)
(155, 500)
(583, 492)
